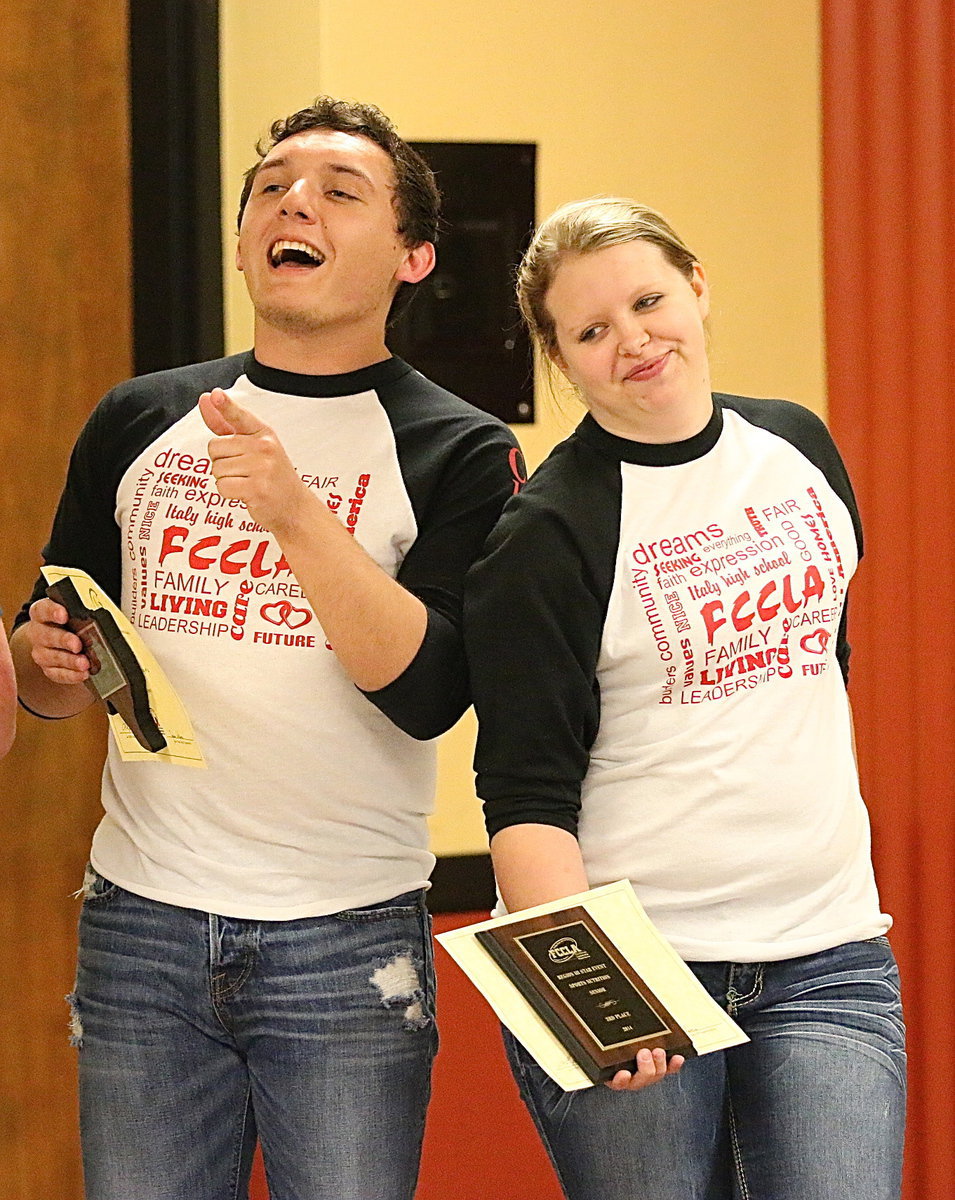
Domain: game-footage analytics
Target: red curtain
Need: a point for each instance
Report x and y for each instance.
(889, 204)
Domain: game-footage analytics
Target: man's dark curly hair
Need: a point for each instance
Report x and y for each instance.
(417, 200)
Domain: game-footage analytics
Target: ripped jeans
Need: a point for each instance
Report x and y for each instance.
(200, 1034)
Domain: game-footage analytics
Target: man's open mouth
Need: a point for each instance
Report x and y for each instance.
(297, 254)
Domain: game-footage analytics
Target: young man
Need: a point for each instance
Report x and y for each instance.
(254, 948)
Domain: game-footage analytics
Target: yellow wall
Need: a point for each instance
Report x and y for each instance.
(706, 109)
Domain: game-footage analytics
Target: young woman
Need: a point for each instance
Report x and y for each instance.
(658, 652)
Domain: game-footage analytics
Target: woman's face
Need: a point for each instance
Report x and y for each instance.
(630, 335)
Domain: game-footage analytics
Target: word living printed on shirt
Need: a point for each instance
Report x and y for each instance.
(202, 566)
(733, 605)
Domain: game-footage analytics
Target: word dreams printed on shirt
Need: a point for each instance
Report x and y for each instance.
(731, 609)
(203, 567)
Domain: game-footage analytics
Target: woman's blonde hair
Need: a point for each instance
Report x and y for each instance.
(580, 228)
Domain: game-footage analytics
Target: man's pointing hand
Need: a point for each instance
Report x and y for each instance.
(249, 463)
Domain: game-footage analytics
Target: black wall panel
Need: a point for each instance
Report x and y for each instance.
(176, 193)
(463, 329)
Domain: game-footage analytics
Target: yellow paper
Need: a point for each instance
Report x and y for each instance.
(170, 714)
(619, 913)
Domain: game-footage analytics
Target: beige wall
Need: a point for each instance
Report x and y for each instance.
(706, 109)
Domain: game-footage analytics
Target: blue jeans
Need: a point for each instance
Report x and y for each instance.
(198, 1034)
(812, 1108)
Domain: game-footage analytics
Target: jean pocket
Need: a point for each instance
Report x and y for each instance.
(95, 888)
(409, 904)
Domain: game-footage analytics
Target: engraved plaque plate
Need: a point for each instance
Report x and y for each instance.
(584, 990)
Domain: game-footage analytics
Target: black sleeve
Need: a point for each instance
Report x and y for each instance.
(808, 433)
(535, 609)
(481, 469)
(85, 533)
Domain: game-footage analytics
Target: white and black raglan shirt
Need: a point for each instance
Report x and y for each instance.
(657, 644)
(315, 796)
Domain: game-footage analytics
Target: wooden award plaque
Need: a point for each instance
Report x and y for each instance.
(115, 674)
(584, 990)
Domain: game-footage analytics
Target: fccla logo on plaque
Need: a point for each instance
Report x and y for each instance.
(564, 949)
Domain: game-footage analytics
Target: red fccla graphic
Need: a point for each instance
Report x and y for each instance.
(232, 559)
(744, 612)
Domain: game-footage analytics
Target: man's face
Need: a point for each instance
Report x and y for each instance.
(318, 241)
